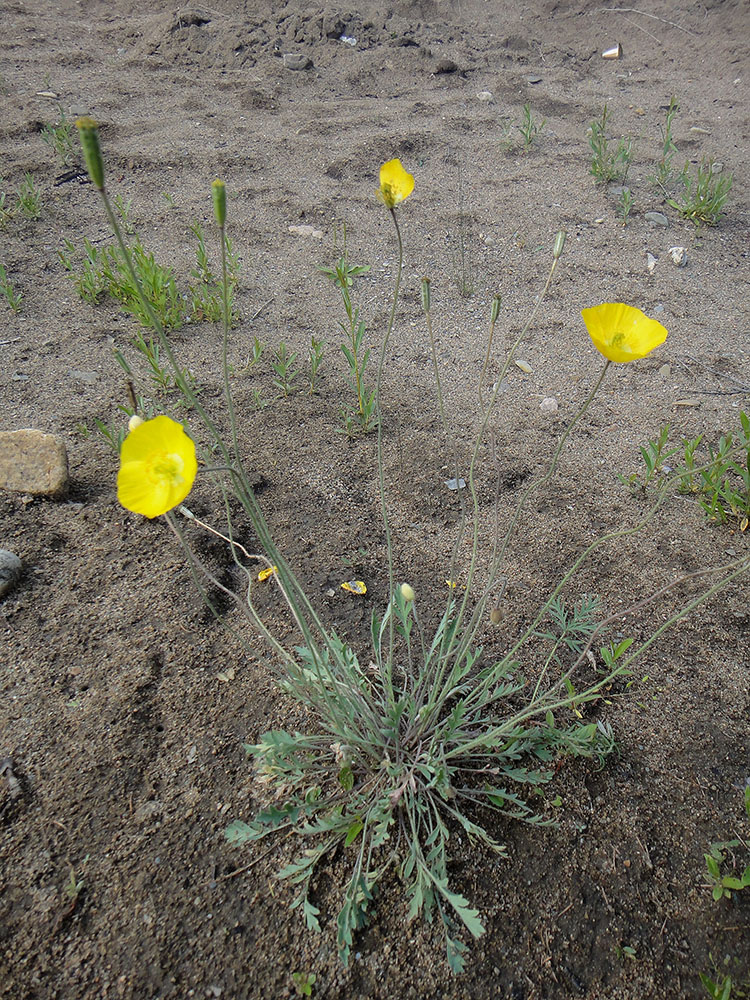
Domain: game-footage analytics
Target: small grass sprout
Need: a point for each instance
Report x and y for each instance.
(704, 196)
(721, 483)
(609, 162)
(8, 291)
(282, 364)
(29, 198)
(665, 173)
(59, 138)
(625, 205)
(342, 274)
(530, 128)
(315, 357)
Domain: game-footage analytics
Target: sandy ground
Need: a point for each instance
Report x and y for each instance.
(124, 704)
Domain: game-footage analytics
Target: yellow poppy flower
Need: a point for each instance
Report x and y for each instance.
(157, 467)
(622, 333)
(395, 183)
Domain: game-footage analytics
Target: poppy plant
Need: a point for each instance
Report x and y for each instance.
(157, 467)
(395, 184)
(622, 333)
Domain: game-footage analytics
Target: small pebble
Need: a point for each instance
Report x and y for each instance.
(533, 79)
(656, 219)
(678, 255)
(10, 571)
(650, 262)
(311, 231)
(548, 405)
(296, 60)
(484, 95)
(524, 366)
(665, 371)
(453, 485)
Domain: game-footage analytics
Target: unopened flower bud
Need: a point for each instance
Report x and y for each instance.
(557, 249)
(426, 294)
(407, 592)
(88, 132)
(135, 421)
(496, 616)
(495, 308)
(219, 195)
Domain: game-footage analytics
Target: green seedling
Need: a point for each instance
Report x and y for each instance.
(251, 360)
(304, 982)
(315, 356)
(5, 212)
(664, 171)
(723, 885)
(609, 162)
(29, 198)
(87, 274)
(11, 296)
(59, 138)
(704, 196)
(169, 198)
(284, 370)
(625, 204)
(206, 294)
(529, 128)
(342, 274)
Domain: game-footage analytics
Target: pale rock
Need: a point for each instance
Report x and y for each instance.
(296, 60)
(650, 262)
(309, 231)
(10, 571)
(33, 462)
(549, 405)
(656, 219)
(678, 255)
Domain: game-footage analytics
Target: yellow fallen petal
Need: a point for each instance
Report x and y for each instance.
(354, 586)
(622, 333)
(268, 571)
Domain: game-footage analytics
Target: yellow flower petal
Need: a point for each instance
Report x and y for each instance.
(157, 467)
(268, 571)
(395, 183)
(355, 586)
(622, 333)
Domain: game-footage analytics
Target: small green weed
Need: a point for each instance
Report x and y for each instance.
(315, 357)
(665, 173)
(342, 275)
(59, 138)
(721, 484)
(704, 196)
(251, 360)
(609, 162)
(12, 297)
(282, 364)
(530, 128)
(206, 294)
(722, 886)
(87, 275)
(29, 198)
(625, 204)
(304, 982)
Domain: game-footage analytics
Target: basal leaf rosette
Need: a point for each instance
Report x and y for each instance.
(157, 467)
(622, 333)
(395, 183)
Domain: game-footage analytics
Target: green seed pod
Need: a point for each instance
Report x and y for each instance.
(426, 294)
(219, 195)
(496, 616)
(557, 249)
(407, 592)
(88, 132)
(495, 308)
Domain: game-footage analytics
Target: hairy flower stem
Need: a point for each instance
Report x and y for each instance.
(387, 663)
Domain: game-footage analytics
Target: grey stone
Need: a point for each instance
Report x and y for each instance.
(33, 462)
(656, 219)
(10, 571)
(296, 60)
(678, 255)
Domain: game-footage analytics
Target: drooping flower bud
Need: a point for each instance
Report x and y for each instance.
(407, 592)
(219, 195)
(88, 132)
